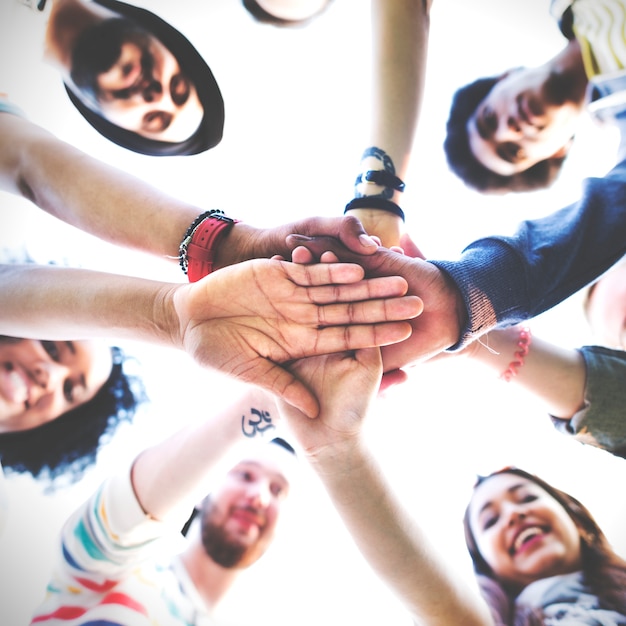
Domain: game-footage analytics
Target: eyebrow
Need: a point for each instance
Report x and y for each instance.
(71, 347)
(489, 503)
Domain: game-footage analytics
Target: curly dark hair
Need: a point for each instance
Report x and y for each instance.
(464, 164)
(68, 446)
(262, 16)
(604, 571)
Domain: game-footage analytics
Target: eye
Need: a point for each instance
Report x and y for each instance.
(528, 498)
(179, 89)
(276, 489)
(68, 391)
(489, 119)
(52, 350)
(489, 522)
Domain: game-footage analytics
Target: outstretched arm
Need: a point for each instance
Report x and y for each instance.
(124, 210)
(394, 544)
(400, 30)
(245, 320)
(170, 477)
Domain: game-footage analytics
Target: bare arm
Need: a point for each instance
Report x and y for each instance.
(244, 320)
(400, 30)
(554, 374)
(395, 546)
(124, 210)
(171, 476)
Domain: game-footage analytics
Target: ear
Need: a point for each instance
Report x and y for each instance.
(562, 152)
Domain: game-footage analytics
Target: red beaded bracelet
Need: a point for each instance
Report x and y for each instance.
(523, 343)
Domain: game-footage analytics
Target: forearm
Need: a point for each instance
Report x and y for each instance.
(395, 546)
(171, 477)
(553, 374)
(399, 51)
(51, 302)
(87, 193)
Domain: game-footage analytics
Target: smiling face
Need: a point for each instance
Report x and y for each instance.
(521, 531)
(136, 81)
(526, 118)
(239, 518)
(146, 92)
(41, 380)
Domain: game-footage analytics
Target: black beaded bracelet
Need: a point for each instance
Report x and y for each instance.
(375, 202)
(182, 249)
(382, 178)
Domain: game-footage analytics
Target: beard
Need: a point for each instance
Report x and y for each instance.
(217, 543)
(100, 46)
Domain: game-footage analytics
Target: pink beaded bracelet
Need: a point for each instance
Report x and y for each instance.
(523, 343)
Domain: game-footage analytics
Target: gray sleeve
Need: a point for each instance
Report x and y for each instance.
(602, 421)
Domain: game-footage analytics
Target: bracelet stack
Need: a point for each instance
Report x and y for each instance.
(384, 178)
(523, 344)
(375, 202)
(196, 252)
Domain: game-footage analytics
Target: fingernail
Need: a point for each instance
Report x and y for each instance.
(366, 240)
(300, 237)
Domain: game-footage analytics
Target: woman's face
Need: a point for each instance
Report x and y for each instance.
(41, 380)
(146, 92)
(521, 531)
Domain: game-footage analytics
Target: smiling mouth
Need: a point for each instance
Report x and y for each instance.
(525, 536)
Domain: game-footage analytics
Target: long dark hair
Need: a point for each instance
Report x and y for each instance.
(604, 572)
(68, 445)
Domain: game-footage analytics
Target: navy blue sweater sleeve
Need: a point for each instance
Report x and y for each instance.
(508, 279)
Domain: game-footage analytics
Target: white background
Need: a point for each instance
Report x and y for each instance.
(296, 118)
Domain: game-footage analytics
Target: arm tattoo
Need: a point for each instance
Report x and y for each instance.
(257, 423)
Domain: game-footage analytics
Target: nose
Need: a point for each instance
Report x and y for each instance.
(48, 376)
(259, 495)
(152, 91)
(508, 129)
(515, 516)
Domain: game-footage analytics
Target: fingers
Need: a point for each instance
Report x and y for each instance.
(288, 388)
(370, 311)
(338, 338)
(370, 289)
(391, 379)
(410, 248)
(348, 230)
(323, 273)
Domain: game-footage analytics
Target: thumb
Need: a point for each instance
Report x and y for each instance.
(290, 389)
(410, 248)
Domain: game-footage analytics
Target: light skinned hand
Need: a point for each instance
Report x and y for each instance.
(248, 319)
(346, 384)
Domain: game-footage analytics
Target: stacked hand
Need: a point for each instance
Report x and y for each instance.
(248, 319)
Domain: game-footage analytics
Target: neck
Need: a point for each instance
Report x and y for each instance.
(569, 63)
(211, 580)
(68, 19)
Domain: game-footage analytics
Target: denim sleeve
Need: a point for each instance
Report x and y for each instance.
(505, 280)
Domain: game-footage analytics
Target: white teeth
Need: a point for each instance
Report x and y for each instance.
(526, 534)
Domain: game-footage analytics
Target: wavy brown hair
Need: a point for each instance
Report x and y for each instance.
(604, 571)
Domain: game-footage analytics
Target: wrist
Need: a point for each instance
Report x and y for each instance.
(201, 241)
